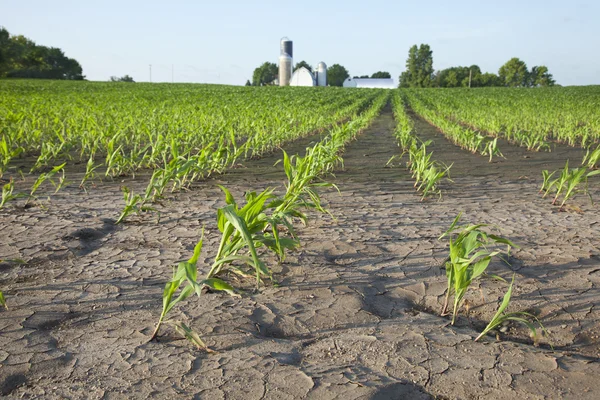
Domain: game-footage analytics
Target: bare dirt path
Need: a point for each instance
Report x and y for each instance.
(354, 316)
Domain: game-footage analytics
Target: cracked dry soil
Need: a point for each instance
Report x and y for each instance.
(354, 316)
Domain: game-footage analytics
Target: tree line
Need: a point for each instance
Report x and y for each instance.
(514, 73)
(420, 73)
(20, 57)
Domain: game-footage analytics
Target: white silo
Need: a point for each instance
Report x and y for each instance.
(285, 61)
(285, 70)
(322, 74)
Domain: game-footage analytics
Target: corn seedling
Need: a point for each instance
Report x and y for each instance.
(568, 183)
(186, 272)
(7, 193)
(592, 158)
(238, 227)
(3, 300)
(7, 153)
(501, 317)
(546, 176)
(468, 260)
(90, 173)
(133, 203)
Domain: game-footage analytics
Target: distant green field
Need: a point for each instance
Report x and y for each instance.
(128, 127)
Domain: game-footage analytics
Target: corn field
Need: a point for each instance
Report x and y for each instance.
(207, 241)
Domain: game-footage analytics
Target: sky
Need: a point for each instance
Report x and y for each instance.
(223, 41)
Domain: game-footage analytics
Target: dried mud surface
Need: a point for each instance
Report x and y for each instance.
(354, 316)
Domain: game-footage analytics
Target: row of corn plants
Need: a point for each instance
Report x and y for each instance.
(265, 221)
(132, 127)
(426, 172)
(462, 136)
(182, 132)
(527, 117)
(180, 172)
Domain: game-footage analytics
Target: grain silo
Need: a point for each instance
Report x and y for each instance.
(322, 74)
(285, 61)
(286, 46)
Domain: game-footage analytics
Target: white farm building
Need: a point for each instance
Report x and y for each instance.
(303, 77)
(370, 83)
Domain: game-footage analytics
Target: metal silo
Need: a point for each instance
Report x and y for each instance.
(285, 70)
(286, 47)
(322, 74)
(286, 52)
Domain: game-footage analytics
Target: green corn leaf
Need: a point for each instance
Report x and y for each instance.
(219, 284)
(228, 196)
(190, 335)
(197, 250)
(480, 266)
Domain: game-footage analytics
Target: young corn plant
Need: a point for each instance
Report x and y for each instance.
(90, 173)
(7, 153)
(576, 177)
(302, 174)
(7, 193)
(501, 317)
(240, 229)
(3, 300)
(186, 274)
(133, 203)
(569, 183)
(468, 260)
(48, 176)
(592, 158)
(546, 176)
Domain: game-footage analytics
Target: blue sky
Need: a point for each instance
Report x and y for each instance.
(223, 41)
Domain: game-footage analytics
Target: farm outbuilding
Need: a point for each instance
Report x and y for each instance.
(303, 77)
(370, 83)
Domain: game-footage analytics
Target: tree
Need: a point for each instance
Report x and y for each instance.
(265, 74)
(419, 67)
(303, 64)
(248, 83)
(539, 76)
(336, 75)
(514, 73)
(360, 77)
(20, 57)
(489, 79)
(125, 78)
(381, 75)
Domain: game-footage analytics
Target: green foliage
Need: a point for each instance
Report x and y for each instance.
(133, 203)
(265, 74)
(381, 75)
(592, 158)
(501, 317)
(186, 273)
(303, 64)
(261, 222)
(125, 78)
(514, 73)
(429, 104)
(3, 300)
(7, 193)
(468, 260)
(569, 182)
(336, 75)
(540, 77)
(419, 68)
(426, 172)
(22, 58)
